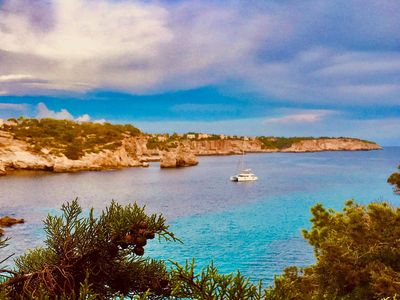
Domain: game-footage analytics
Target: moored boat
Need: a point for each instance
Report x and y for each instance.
(245, 175)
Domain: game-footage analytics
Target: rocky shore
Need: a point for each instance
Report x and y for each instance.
(17, 154)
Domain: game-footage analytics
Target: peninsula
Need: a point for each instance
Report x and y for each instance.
(68, 146)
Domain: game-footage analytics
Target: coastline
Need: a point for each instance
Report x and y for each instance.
(21, 148)
(143, 162)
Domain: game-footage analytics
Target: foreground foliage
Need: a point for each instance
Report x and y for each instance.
(357, 257)
(102, 258)
(357, 252)
(105, 252)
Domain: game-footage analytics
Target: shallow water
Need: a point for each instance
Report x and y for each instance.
(254, 227)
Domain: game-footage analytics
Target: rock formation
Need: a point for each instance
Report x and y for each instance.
(180, 157)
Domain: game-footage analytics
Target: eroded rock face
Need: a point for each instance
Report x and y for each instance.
(2, 169)
(168, 159)
(331, 145)
(180, 157)
(17, 155)
(186, 158)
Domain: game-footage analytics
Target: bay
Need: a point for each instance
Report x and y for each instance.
(254, 226)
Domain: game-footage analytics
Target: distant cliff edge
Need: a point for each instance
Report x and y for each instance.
(67, 146)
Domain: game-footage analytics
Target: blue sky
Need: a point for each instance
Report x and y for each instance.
(281, 68)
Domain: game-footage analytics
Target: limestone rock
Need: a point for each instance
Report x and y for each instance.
(2, 169)
(186, 158)
(179, 158)
(339, 144)
(168, 159)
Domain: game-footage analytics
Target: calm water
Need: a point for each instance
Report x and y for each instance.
(254, 227)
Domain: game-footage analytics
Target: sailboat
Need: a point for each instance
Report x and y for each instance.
(244, 174)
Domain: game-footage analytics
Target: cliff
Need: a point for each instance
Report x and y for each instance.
(227, 147)
(64, 146)
(333, 144)
(18, 155)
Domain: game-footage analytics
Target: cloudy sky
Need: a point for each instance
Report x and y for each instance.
(284, 67)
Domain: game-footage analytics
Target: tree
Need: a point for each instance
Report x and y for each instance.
(105, 252)
(357, 256)
(394, 179)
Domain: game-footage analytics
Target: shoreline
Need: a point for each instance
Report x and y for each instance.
(46, 171)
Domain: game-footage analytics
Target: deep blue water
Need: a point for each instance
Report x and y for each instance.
(254, 227)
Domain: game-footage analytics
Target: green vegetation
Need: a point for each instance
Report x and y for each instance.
(357, 254)
(281, 142)
(106, 252)
(70, 138)
(286, 142)
(394, 180)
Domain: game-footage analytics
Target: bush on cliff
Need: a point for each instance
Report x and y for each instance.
(65, 136)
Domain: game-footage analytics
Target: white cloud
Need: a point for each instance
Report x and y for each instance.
(13, 106)
(44, 112)
(83, 118)
(301, 116)
(100, 121)
(14, 77)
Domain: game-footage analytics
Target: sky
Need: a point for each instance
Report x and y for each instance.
(282, 68)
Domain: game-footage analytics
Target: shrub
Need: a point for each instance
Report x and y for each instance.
(62, 136)
(394, 180)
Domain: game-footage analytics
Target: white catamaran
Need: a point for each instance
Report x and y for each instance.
(244, 174)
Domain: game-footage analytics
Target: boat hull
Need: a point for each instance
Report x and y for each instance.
(242, 179)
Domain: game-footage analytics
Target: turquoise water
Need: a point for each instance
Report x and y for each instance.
(254, 227)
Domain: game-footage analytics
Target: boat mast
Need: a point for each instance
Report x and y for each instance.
(242, 160)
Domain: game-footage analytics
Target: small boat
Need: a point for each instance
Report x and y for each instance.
(245, 175)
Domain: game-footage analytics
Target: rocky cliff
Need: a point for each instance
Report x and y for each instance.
(227, 147)
(133, 151)
(338, 144)
(18, 155)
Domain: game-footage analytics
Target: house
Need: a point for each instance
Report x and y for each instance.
(204, 136)
(191, 136)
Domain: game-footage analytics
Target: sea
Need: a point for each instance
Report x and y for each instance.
(254, 227)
